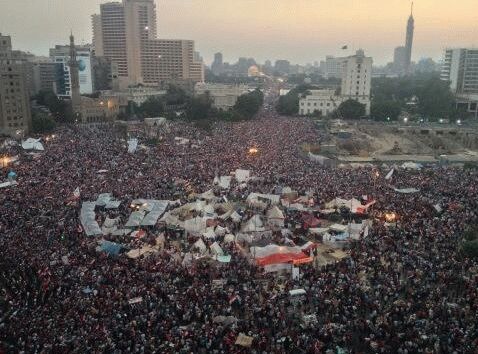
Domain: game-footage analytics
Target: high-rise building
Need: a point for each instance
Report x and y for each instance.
(45, 76)
(460, 68)
(399, 60)
(333, 67)
(282, 67)
(217, 66)
(60, 55)
(357, 78)
(15, 113)
(126, 33)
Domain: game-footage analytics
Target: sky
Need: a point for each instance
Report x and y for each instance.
(302, 31)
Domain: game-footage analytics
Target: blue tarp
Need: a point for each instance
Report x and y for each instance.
(112, 248)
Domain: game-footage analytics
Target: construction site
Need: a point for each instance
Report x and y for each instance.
(368, 142)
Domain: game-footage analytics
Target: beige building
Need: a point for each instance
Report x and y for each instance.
(15, 114)
(357, 79)
(356, 85)
(223, 96)
(126, 33)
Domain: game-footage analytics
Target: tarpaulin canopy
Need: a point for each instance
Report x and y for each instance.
(8, 184)
(224, 181)
(32, 144)
(274, 254)
(135, 219)
(412, 166)
(254, 224)
(242, 175)
(112, 248)
(406, 190)
(272, 198)
(196, 225)
(354, 205)
(88, 219)
(132, 145)
(158, 208)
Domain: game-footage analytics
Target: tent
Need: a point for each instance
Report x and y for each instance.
(132, 145)
(412, 166)
(8, 184)
(269, 198)
(200, 245)
(209, 195)
(112, 248)
(209, 234)
(406, 190)
(275, 217)
(224, 182)
(254, 224)
(216, 249)
(196, 225)
(88, 219)
(354, 205)
(275, 254)
(229, 238)
(242, 175)
(310, 221)
(32, 144)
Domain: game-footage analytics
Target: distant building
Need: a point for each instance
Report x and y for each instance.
(282, 67)
(45, 76)
(126, 33)
(85, 109)
(357, 79)
(460, 68)
(15, 113)
(399, 60)
(224, 96)
(217, 66)
(332, 67)
(356, 73)
(426, 65)
(60, 55)
(402, 57)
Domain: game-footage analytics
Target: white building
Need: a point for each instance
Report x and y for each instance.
(460, 68)
(333, 67)
(223, 96)
(323, 101)
(356, 85)
(357, 79)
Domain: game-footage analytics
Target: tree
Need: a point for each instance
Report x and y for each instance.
(248, 105)
(199, 107)
(42, 123)
(175, 95)
(60, 109)
(350, 109)
(381, 110)
(470, 248)
(289, 103)
(435, 99)
(152, 107)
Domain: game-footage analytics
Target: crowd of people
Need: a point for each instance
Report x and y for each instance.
(404, 289)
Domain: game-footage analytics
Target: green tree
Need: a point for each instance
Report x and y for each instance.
(249, 104)
(175, 95)
(60, 110)
(381, 110)
(435, 98)
(153, 107)
(350, 109)
(199, 107)
(42, 123)
(289, 104)
(470, 248)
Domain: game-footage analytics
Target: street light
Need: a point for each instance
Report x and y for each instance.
(5, 161)
(253, 151)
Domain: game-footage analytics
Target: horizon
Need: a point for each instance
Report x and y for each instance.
(248, 25)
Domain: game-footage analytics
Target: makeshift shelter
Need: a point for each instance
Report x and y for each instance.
(406, 190)
(8, 184)
(242, 175)
(200, 245)
(267, 198)
(229, 238)
(216, 249)
(275, 217)
(196, 225)
(254, 224)
(310, 221)
(132, 145)
(32, 144)
(209, 234)
(111, 248)
(412, 166)
(88, 219)
(224, 182)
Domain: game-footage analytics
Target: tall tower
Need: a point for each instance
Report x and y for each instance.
(409, 41)
(75, 79)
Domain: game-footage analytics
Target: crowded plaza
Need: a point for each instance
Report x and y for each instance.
(231, 240)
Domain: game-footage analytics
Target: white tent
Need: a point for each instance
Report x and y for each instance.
(229, 238)
(209, 233)
(272, 198)
(195, 226)
(32, 144)
(224, 181)
(412, 166)
(200, 245)
(236, 217)
(132, 145)
(220, 231)
(169, 219)
(216, 249)
(242, 175)
(275, 217)
(208, 195)
(254, 224)
(406, 190)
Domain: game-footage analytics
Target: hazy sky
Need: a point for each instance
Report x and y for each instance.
(299, 30)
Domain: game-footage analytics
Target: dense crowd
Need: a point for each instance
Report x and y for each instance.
(404, 289)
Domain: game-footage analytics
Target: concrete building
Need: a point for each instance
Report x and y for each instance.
(356, 73)
(332, 67)
(399, 60)
(60, 55)
(460, 68)
(217, 66)
(45, 76)
(85, 109)
(126, 33)
(322, 101)
(138, 95)
(15, 113)
(282, 67)
(224, 96)
(357, 79)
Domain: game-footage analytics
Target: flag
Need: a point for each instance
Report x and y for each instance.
(345, 47)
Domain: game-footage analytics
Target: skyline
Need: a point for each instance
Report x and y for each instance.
(249, 24)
